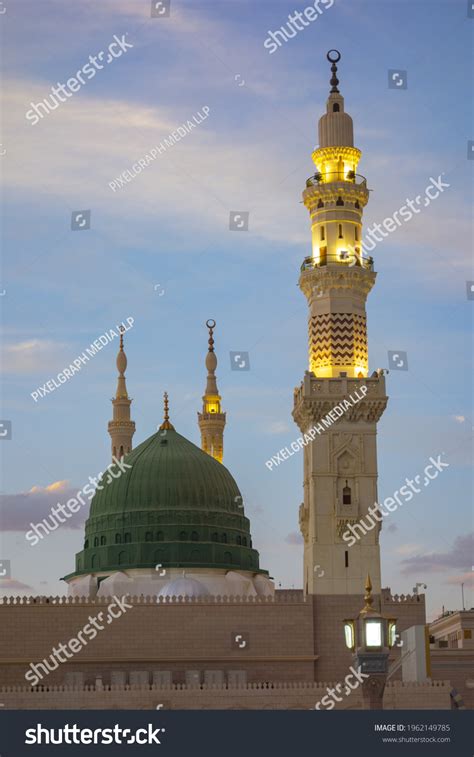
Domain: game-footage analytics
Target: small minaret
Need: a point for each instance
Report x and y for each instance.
(212, 419)
(121, 428)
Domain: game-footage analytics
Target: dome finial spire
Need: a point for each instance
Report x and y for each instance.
(166, 425)
(334, 56)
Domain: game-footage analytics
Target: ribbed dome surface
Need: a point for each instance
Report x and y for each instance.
(169, 471)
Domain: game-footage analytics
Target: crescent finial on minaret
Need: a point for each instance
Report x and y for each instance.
(334, 56)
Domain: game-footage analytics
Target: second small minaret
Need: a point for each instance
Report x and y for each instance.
(121, 427)
(212, 419)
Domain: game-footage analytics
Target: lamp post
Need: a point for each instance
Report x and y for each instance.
(370, 636)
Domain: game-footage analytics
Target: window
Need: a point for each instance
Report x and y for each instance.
(121, 451)
(335, 108)
(95, 562)
(224, 538)
(244, 541)
(183, 536)
(118, 538)
(215, 537)
(356, 204)
(159, 536)
(127, 538)
(322, 235)
(194, 536)
(103, 541)
(346, 558)
(346, 495)
(340, 201)
(340, 231)
(96, 541)
(238, 540)
(122, 558)
(148, 536)
(356, 233)
(86, 544)
(320, 204)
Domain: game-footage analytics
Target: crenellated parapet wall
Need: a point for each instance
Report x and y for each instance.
(254, 696)
(281, 597)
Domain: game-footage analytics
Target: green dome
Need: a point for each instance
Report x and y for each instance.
(176, 506)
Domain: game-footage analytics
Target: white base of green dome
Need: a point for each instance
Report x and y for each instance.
(174, 582)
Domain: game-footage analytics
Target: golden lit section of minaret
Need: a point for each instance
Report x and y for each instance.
(121, 427)
(212, 419)
(337, 277)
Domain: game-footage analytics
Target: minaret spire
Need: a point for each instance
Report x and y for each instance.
(212, 419)
(121, 427)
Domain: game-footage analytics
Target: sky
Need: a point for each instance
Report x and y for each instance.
(159, 250)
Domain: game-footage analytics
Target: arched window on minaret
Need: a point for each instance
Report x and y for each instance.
(340, 201)
(340, 231)
(322, 234)
(346, 495)
(118, 538)
(335, 108)
(103, 541)
(121, 451)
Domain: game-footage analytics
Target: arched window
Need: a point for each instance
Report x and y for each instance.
(103, 541)
(159, 536)
(356, 204)
(224, 538)
(194, 536)
(215, 536)
(121, 451)
(320, 204)
(244, 541)
(340, 231)
(127, 538)
(356, 233)
(148, 536)
(86, 544)
(346, 558)
(322, 234)
(118, 538)
(183, 536)
(238, 540)
(346, 495)
(96, 541)
(335, 108)
(340, 201)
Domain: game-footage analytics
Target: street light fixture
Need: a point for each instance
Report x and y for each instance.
(370, 637)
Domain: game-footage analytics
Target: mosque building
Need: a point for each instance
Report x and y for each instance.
(206, 627)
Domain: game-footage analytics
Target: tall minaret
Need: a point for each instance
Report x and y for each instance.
(121, 428)
(340, 465)
(212, 419)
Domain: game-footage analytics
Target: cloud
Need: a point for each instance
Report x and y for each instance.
(11, 584)
(278, 427)
(460, 556)
(31, 356)
(462, 578)
(18, 511)
(294, 538)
